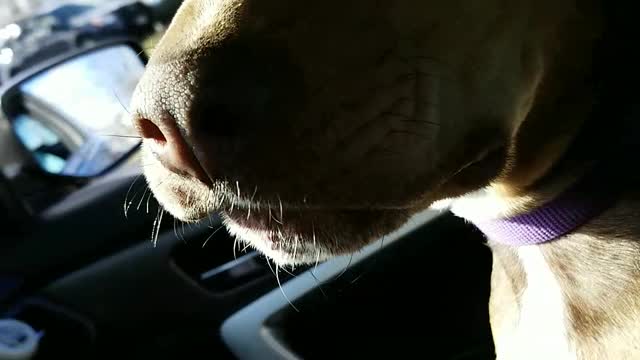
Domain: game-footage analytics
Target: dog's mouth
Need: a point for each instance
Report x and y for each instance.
(296, 236)
(304, 231)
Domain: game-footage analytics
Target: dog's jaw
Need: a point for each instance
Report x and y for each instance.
(304, 236)
(268, 242)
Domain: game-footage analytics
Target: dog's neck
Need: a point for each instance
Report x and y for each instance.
(576, 295)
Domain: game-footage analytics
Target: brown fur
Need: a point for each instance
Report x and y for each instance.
(322, 126)
(350, 101)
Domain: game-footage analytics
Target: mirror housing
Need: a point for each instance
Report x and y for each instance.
(70, 114)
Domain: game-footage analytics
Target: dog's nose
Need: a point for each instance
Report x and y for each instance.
(205, 110)
(166, 143)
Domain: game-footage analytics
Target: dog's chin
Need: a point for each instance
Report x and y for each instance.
(185, 198)
(289, 236)
(294, 237)
(182, 199)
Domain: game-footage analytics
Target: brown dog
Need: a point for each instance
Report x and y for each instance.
(315, 127)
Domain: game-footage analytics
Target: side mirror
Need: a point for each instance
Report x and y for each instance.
(71, 115)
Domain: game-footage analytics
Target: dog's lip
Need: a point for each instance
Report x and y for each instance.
(306, 206)
(330, 232)
(197, 174)
(298, 221)
(258, 219)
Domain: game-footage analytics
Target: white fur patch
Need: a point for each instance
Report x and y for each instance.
(260, 240)
(485, 204)
(541, 332)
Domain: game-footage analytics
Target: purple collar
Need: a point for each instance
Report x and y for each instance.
(596, 191)
(583, 201)
(544, 224)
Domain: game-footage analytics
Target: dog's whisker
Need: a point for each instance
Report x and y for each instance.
(142, 198)
(282, 267)
(208, 201)
(122, 136)
(313, 235)
(233, 204)
(345, 268)
(281, 211)
(282, 291)
(175, 231)
(211, 236)
(373, 263)
(317, 260)
(126, 197)
(151, 193)
(235, 246)
(120, 102)
(156, 226)
(270, 267)
(357, 278)
(288, 272)
(148, 201)
(320, 287)
(175, 227)
(142, 166)
(364, 272)
(133, 198)
(271, 217)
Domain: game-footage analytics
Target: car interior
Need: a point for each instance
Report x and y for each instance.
(90, 262)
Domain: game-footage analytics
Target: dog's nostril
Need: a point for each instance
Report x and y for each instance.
(149, 130)
(167, 144)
